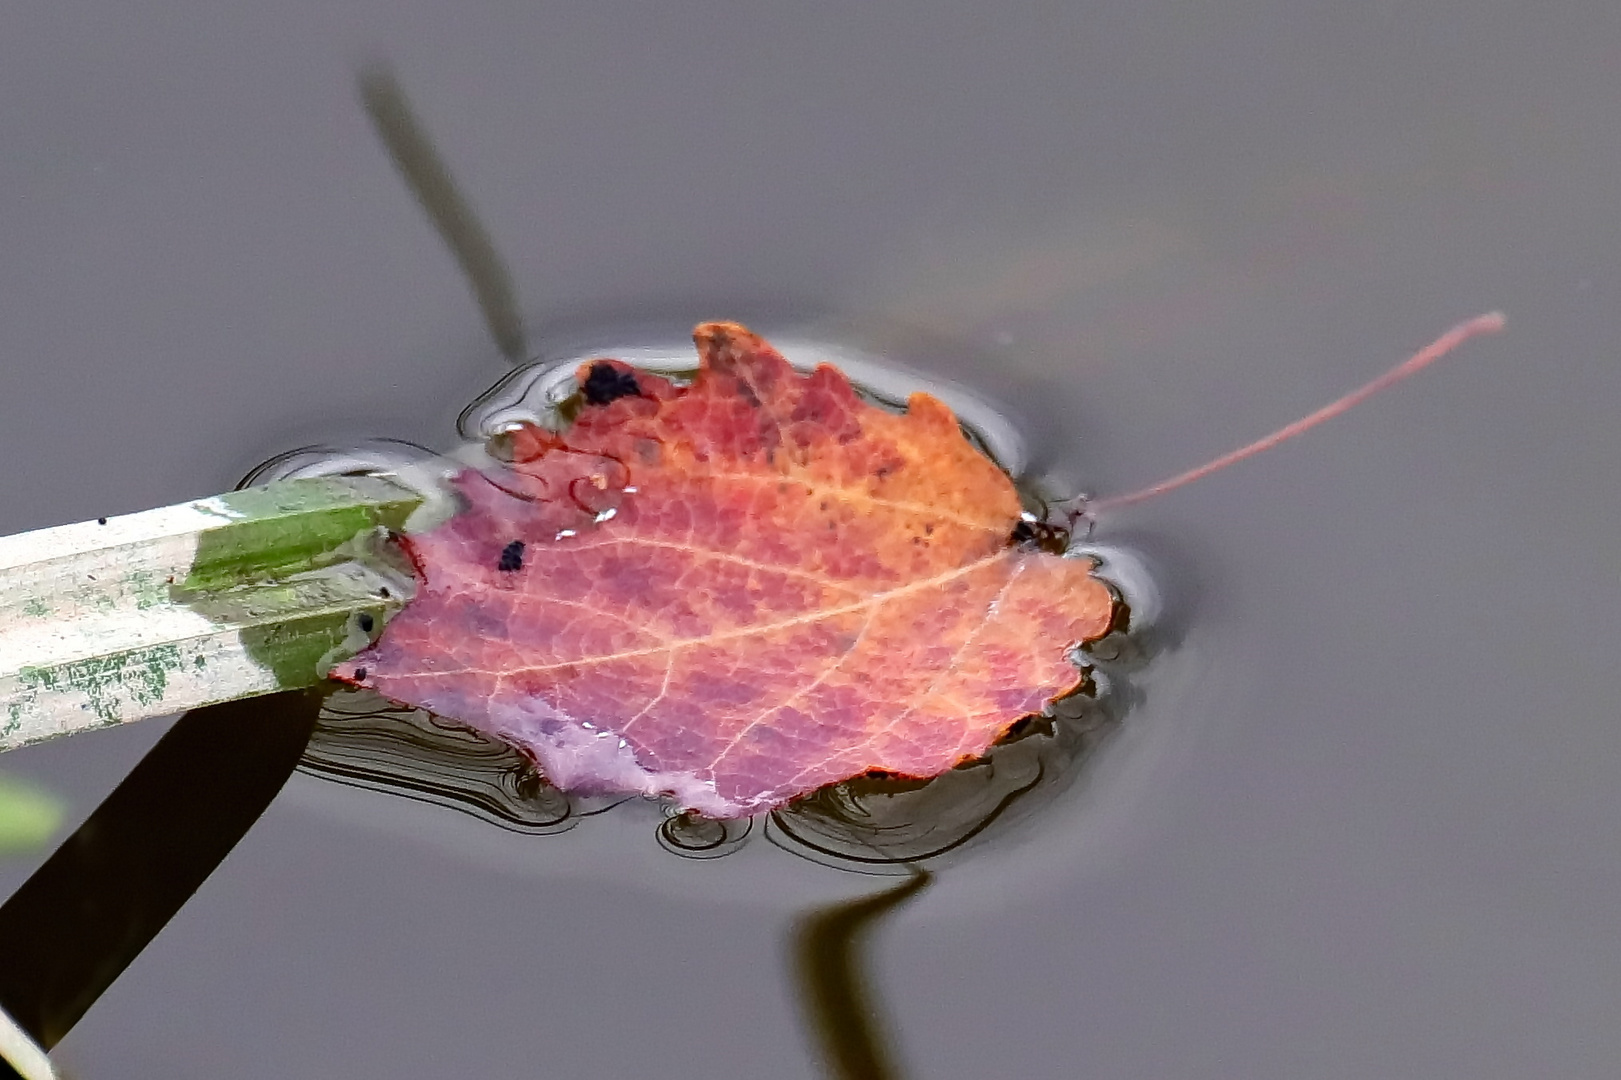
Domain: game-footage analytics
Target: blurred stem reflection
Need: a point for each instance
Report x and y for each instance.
(839, 1008)
(429, 179)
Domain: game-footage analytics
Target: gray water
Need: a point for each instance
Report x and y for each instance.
(1364, 825)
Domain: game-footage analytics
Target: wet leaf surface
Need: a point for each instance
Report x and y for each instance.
(736, 592)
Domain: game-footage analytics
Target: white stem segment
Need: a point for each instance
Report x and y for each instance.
(22, 1053)
(105, 622)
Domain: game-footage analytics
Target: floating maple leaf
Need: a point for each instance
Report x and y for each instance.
(738, 591)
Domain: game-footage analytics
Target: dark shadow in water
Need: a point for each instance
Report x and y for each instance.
(78, 922)
(429, 179)
(835, 992)
(363, 740)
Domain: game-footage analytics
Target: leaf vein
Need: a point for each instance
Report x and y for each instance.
(921, 585)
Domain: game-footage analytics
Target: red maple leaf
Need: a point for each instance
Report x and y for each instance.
(735, 592)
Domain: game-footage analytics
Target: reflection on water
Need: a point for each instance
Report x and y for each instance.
(840, 1010)
(881, 824)
(429, 179)
(694, 836)
(364, 741)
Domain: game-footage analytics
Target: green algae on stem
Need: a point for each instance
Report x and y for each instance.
(118, 619)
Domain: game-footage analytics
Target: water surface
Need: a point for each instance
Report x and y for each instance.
(1368, 829)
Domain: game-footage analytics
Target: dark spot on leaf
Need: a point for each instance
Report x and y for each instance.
(1041, 536)
(360, 673)
(366, 622)
(511, 557)
(605, 383)
(101, 521)
(384, 593)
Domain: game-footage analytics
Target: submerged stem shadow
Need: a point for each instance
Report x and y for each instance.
(839, 1007)
(78, 922)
